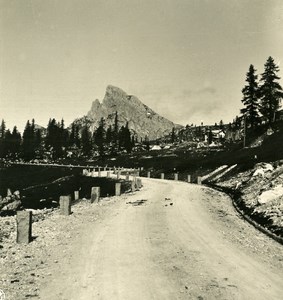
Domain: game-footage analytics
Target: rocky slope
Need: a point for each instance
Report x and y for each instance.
(260, 191)
(142, 120)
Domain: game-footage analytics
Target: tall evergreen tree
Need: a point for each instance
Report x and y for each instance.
(32, 125)
(250, 98)
(100, 136)
(270, 90)
(64, 135)
(115, 135)
(72, 135)
(50, 132)
(86, 141)
(133, 141)
(8, 143)
(127, 139)
(28, 149)
(2, 129)
(54, 138)
(74, 138)
(121, 138)
(2, 138)
(125, 142)
(16, 141)
(173, 135)
(109, 135)
(38, 138)
(77, 136)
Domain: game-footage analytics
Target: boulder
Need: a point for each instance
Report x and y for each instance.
(270, 195)
(12, 206)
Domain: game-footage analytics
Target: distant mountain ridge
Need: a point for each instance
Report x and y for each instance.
(142, 120)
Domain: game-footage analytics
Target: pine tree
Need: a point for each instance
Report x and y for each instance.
(2, 138)
(38, 138)
(16, 141)
(72, 136)
(173, 135)
(100, 136)
(270, 90)
(8, 143)
(28, 149)
(2, 129)
(86, 141)
(54, 138)
(125, 142)
(127, 136)
(77, 136)
(116, 131)
(109, 135)
(50, 132)
(121, 138)
(63, 134)
(40, 144)
(133, 141)
(32, 125)
(250, 98)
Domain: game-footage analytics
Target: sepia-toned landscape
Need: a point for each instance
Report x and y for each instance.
(141, 150)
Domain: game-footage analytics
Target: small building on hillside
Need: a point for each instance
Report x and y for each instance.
(155, 147)
(218, 134)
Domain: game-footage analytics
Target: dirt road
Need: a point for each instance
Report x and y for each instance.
(181, 242)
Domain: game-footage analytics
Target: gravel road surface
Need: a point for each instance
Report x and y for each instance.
(171, 240)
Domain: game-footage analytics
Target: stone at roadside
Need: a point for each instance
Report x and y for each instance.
(24, 227)
(259, 172)
(9, 193)
(13, 206)
(16, 193)
(270, 195)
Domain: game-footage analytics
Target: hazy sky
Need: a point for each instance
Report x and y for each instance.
(186, 59)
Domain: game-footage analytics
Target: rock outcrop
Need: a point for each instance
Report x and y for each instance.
(11, 202)
(261, 194)
(142, 120)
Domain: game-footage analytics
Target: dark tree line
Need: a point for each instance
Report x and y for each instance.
(31, 140)
(58, 141)
(262, 98)
(10, 143)
(113, 139)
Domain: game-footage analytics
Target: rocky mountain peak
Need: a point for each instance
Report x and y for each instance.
(95, 104)
(114, 92)
(142, 120)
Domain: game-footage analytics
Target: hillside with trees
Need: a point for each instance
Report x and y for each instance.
(59, 142)
(259, 118)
